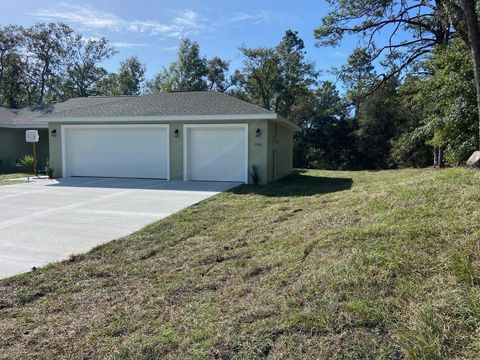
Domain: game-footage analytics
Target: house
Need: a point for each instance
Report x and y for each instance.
(13, 123)
(193, 135)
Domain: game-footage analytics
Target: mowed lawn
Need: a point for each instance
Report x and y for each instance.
(7, 179)
(323, 265)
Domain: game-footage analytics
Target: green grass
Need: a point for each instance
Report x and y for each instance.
(324, 265)
(6, 179)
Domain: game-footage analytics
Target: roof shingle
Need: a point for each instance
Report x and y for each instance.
(25, 117)
(162, 104)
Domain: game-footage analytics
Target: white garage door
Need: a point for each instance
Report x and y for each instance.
(216, 152)
(137, 151)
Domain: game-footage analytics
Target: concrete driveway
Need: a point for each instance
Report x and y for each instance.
(48, 220)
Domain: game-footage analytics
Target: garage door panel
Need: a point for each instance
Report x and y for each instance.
(116, 151)
(216, 153)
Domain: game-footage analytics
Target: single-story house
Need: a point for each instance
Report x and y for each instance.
(13, 124)
(191, 135)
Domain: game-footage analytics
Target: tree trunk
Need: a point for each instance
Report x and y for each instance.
(437, 157)
(471, 20)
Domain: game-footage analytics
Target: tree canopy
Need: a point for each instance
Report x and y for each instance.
(192, 72)
(406, 99)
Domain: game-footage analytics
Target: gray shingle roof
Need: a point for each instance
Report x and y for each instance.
(161, 104)
(7, 116)
(25, 117)
(20, 118)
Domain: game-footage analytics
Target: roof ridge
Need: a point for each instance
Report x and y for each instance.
(164, 103)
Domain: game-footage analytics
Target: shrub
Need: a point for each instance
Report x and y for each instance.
(49, 169)
(26, 162)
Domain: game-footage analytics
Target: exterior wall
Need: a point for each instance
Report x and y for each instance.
(13, 146)
(257, 147)
(258, 150)
(284, 152)
(272, 152)
(55, 149)
(280, 151)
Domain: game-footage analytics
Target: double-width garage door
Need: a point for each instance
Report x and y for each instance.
(216, 152)
(210, 152)
(136, 151)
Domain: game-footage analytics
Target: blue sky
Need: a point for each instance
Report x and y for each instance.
(152, 29)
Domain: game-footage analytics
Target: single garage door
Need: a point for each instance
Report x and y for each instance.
(216, 152)
(136, 151)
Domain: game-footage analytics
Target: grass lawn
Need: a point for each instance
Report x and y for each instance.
(324, 265)
(6, 179)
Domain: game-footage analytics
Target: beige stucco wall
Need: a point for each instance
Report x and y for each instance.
(271, 152)
(284, 152)
(55, 149)
(280, 151)
(13, 146)
(257, 147)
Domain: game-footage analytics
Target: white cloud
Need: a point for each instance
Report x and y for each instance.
(180, 23)
(169, 48)
(251, 19)
(121, 44)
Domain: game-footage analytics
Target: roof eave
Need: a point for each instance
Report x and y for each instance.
(25, 126)
(288, 123)
(226, 117)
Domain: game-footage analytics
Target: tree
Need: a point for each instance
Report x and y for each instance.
(276, 78)
(161, 82)
(47, 45)
(357, 74)
(83, 72)
(131, 76)
(470, 18)
(377, 121)
(187, 73)
(108, 85)
(296, 73)
(410, 146)
(414, 28)
(427, 23)
(48, 62)
(13, 82)
(260, 75)
(441, 105)
(326, 138)
(217, 75)
(10, 42)
(191, 68)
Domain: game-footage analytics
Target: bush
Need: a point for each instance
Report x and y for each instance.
(26, 163)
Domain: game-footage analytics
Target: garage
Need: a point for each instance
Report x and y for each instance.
(216, 152)
(124, 151)
(172, 135)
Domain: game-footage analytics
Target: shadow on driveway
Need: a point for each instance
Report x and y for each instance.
(297, 184)
(139, 184)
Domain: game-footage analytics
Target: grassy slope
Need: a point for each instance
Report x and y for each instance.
(332, 265)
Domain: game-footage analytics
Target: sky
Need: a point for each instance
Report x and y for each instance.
(152, 29)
